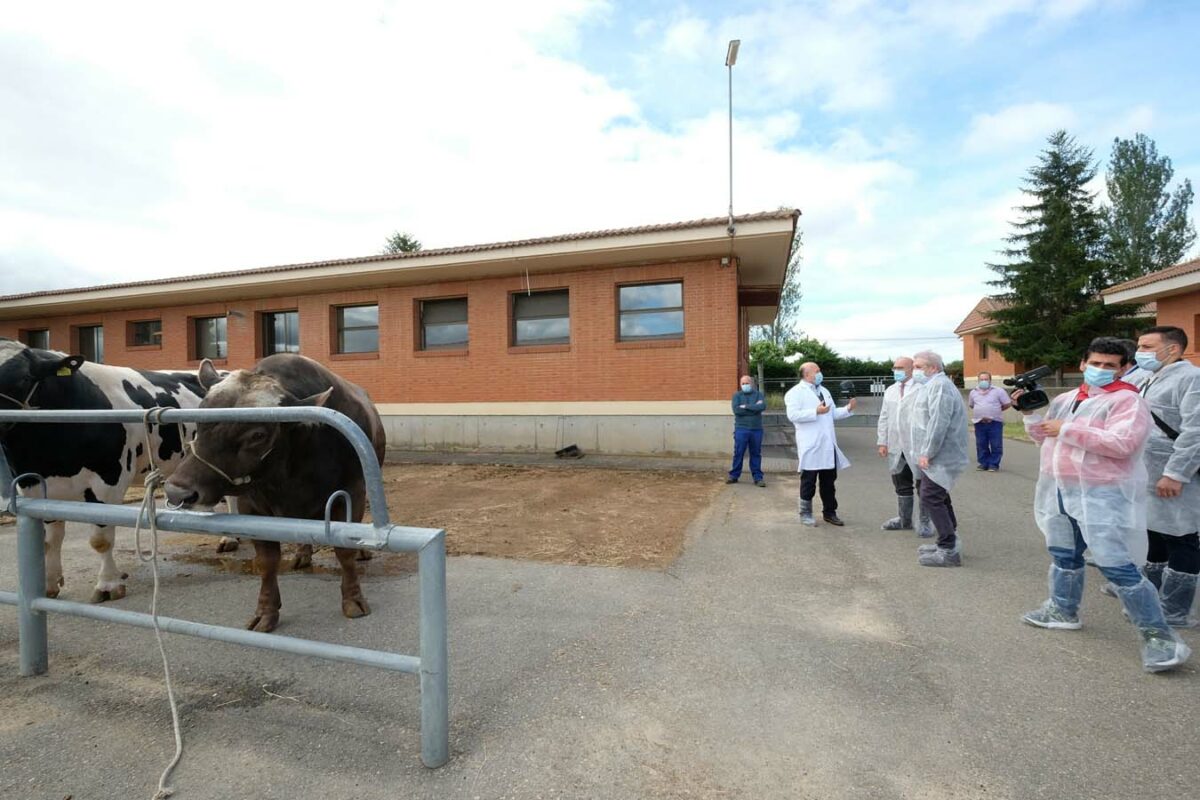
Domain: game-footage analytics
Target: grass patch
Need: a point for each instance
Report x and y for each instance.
(1016, 430)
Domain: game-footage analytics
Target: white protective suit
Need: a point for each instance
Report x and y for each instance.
(905, 421)
(816, 442)
(1095, 465)
(1173, 394)
(889, 427)
(939, 431)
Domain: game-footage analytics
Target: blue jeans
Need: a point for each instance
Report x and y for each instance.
(1064, 558)
(989, 442)
(743, 438)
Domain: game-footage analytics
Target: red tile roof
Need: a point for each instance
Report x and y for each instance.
(1154, 277)
(781, 214)
(980, 316)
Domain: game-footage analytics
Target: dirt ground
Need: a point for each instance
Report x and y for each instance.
(606, 517)
(567, 515)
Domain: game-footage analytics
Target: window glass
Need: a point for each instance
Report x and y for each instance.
(358, 329)
(91, 343)
(281, 332)
(650, 311)
(542, 318)
(39, 339)
(444, 324)
(211, 339)
(145, 332)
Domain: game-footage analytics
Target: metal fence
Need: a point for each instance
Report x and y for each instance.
(429, 544)
(860, 385)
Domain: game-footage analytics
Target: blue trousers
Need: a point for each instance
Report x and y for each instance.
(989, 442)
(1124, 575)
(747, 438)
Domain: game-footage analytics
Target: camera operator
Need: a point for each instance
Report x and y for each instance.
(1091, 493)
(1172, 390)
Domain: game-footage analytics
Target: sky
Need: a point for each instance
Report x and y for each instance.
(146, 140)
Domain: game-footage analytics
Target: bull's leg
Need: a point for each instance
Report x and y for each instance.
(353, 602)
(303, 557)
(227, 544)
(110, 585)
(365, 555)
(55, 531)
(266, 559)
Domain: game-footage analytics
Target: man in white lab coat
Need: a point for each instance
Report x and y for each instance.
(811, 409)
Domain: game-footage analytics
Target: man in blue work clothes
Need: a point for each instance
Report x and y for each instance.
(988, 404)
(748, 406)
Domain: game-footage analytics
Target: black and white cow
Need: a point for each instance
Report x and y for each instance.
(93, 462)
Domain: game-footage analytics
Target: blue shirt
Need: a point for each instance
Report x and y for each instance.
(751, 416)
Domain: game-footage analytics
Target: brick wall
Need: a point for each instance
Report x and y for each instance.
(973, 364)
(704, 365)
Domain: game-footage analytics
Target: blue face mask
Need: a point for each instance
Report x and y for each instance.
(900, 375)
(747, 388)
(985, 384)
(919, 376)
(817, 379)
(1095, 376)
(1148, 361)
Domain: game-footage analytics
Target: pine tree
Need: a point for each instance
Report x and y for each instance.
(400, 242)
(1051, 284)
(1147, 227)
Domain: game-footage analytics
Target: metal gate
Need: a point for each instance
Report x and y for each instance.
(428, 543)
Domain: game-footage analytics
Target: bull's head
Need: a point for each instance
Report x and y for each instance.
(23, 369)
(224, 458)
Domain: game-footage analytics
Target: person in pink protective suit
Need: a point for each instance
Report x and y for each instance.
(1091, 493)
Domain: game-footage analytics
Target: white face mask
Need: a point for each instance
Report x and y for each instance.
(747, 388)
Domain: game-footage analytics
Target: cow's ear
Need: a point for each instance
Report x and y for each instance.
(208, 375)
(47, 364)
(69, 366)
(318, 399)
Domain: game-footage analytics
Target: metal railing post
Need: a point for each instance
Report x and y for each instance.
(435, 697)
(31, 574)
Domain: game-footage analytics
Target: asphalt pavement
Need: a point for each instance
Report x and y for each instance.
(769, 661)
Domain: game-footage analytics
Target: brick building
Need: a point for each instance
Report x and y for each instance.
(624, 341)
(978, 334)
(1175, 295)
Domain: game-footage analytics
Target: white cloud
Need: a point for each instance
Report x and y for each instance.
(1015, 126)
(686, 38)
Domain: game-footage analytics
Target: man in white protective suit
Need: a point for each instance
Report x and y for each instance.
(1172, 390)
(939, 442)
(1091, 492)
(810, 408)
(889, 441)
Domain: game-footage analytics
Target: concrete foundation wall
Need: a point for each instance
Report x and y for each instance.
(698, 435)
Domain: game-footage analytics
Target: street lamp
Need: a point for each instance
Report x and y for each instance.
(730, 60)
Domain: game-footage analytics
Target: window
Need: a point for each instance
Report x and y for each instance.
(281, 332)
(542, 318)
(358, 329)
(37, 338)
(211, 339)
(983, 349)
(650, 311)
(91, 343)
(444, 324)
(145, 332)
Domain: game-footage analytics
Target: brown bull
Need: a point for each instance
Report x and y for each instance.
(280, 469)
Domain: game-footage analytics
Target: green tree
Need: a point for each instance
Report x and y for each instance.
(1056, 268)
(400, 242)
(1147, 227)
(783, 326)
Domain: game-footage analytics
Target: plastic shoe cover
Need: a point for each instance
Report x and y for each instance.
(806, 515)
(1178, 594)
(1162, 650)
(929, 548)
(1048, 615)
(1153, 570)
(903, 522)
(1066, 589)
(1142, 605)
(940, 558)
(925, 530)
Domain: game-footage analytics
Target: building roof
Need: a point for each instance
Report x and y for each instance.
(980, 317)
(1172, 280)
(762, 245)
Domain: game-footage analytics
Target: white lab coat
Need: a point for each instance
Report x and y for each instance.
(816, 442)
(888, 430)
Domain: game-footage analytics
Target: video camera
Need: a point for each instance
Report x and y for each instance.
(848, 390)
(1034, 397)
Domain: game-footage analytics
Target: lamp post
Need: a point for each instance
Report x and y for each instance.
(730, 60)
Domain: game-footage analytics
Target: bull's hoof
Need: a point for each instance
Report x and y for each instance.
(355, 608)
(365, 555)
(104, 595)
(227, 544)
(302, 559)
(263, 623)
